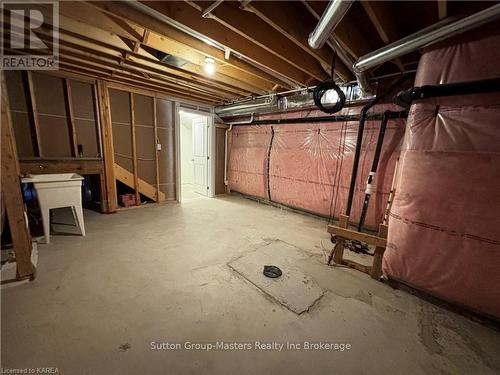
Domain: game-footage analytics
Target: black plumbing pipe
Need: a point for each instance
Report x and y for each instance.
(405, 98)
(339, 118)
(359, 139)
(373, 171)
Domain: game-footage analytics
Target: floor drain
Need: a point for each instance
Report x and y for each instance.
(272, 271)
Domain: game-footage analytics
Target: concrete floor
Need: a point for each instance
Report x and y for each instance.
(160, 274)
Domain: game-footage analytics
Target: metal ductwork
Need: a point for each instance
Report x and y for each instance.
(420, 39)
(281, 102)
(267, 103)
(329, 20)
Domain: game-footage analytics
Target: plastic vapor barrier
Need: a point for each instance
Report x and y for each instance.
(308, 166)
(444, 226)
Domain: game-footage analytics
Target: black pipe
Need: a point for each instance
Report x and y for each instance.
(339, 118)
(359, 139)
(269, 164)
(373, 171)
(405, 98)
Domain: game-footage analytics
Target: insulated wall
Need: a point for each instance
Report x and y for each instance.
(308, 166)
(444, 227)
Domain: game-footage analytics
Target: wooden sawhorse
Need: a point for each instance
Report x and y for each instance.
(342, 233)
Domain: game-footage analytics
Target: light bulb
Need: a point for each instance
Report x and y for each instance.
(209, 66)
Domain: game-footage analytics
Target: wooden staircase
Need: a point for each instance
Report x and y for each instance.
(126, 177)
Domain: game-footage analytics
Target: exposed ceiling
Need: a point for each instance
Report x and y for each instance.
(258, 47)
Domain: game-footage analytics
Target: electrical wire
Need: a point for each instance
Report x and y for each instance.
(320, 90)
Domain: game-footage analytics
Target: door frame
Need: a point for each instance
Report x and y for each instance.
(211, 148)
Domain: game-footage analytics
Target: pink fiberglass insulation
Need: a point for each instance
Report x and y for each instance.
(310, 164)
(444, 227)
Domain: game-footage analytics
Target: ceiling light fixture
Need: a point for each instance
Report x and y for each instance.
(209, 66)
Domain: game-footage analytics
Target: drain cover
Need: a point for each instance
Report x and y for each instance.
(272, 271)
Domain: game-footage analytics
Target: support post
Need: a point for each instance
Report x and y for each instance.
(69, 106)
(338, 251)
(34, 111)
(157, 165)
(376, 271)
(107, 144)
(134, 150)
(12, 195)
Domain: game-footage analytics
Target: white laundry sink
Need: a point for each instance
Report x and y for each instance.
(56, 177)
(55, 191)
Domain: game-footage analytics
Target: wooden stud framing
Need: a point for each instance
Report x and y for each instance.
(157, 163)
(69, 106)
(34, 112)
(134, 150)
(342, 234)
(12, 196)
(339, 247)
(97, 117)
(108, 149)
(376, 270)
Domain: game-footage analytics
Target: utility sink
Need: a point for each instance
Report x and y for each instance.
(55, 191)
(56, 177)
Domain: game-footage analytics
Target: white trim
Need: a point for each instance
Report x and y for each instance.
(211, 148)
(177, 129)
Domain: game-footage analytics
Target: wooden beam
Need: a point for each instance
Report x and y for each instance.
(376, 270)
(190, 17)
(12, 196)
(259, 32)
(338, 251)
(95, 96)
(134, 150)
(296, 23)
(133, 77)
(157, 162)
(72, 125)
(85, 13)
(108, 148)
(58, 165)
(442, 9)
(347, 33)
(359, 236)
(34, 112)
(136, 68)
(94, 35)
(128, 82)
(71, 43)
(136, 36)
(184, 45)
(379, 15)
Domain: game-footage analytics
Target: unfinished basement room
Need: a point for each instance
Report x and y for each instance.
(250, 187)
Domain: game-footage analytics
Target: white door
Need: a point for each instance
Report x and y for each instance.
(200, 155)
